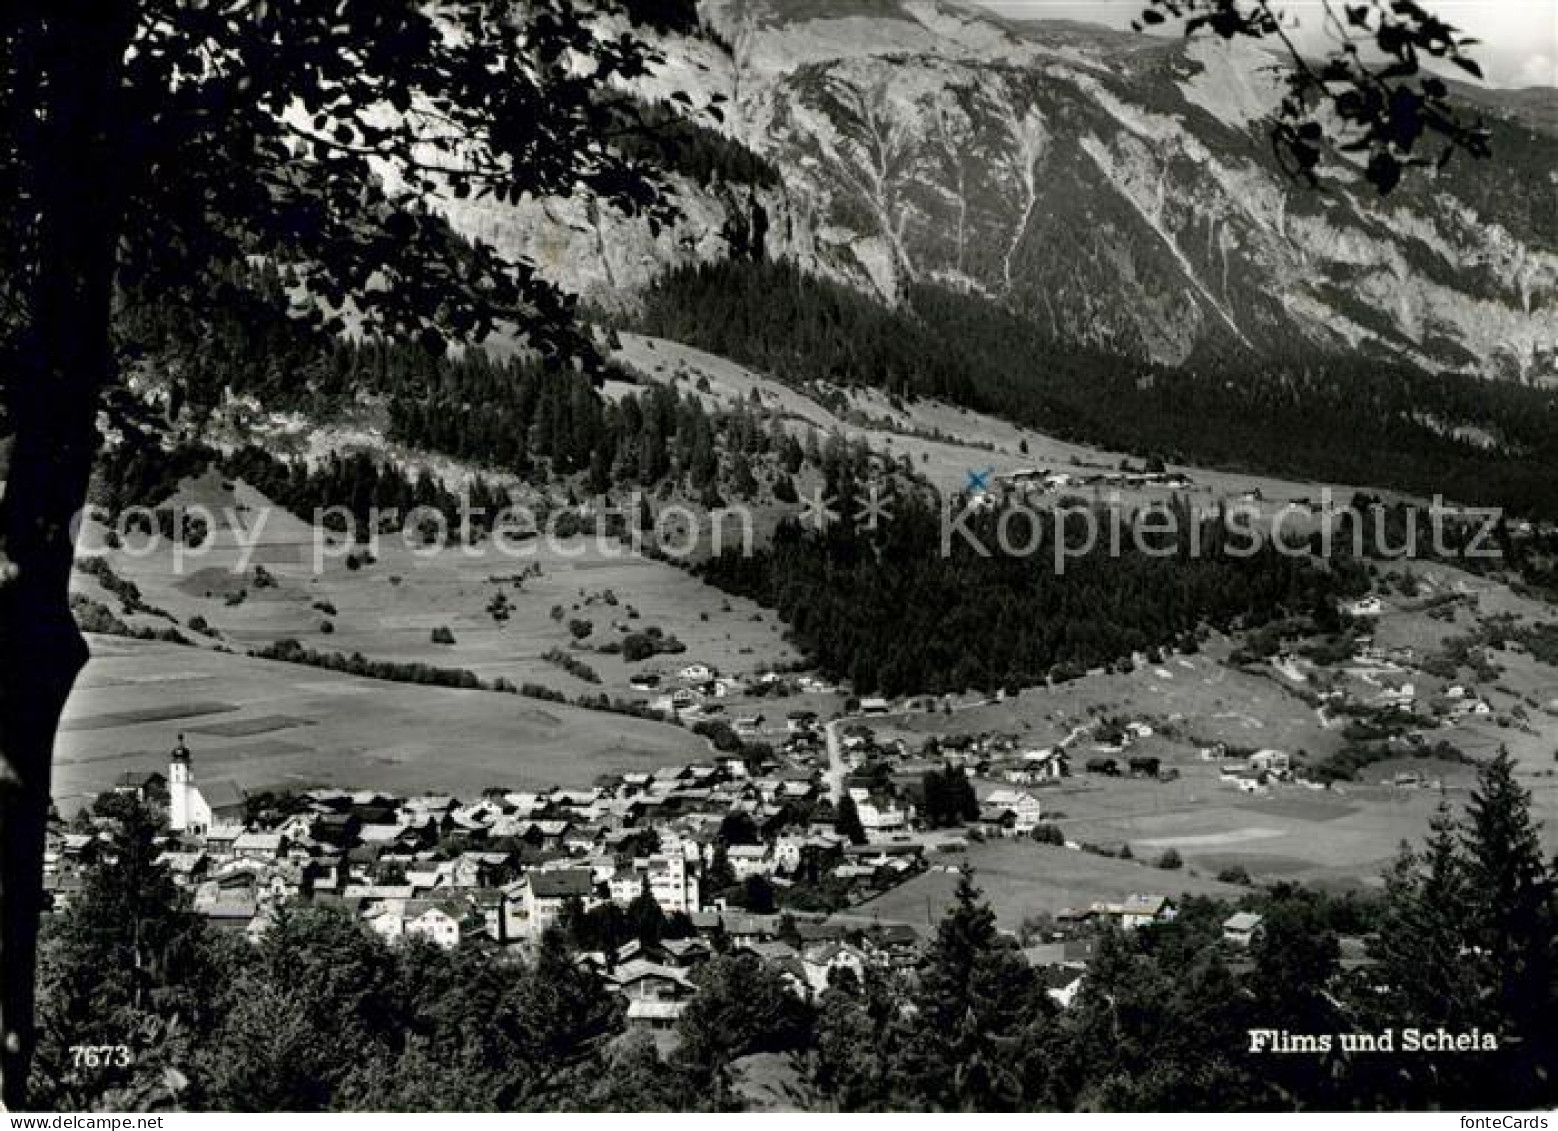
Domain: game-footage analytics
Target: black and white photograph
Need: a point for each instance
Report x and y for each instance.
(806, 557)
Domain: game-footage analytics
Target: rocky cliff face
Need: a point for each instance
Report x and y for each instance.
(1117, 189)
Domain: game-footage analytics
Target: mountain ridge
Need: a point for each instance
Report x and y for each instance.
(1118, 189)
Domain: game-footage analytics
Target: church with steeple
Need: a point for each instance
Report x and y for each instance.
(196, 809)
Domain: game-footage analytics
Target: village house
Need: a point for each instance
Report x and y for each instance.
(685, 954)
(881, 820)
(1274, 763)
(656, 995)
(747, 860)
(259, 846)
(801, 722)
(666, 877)
(1240, 928)
(1398, 698)
(439, 924)
(143, 785)
(387, 920)
(1365, 607)
(541, 896)
(819, 964)
(1024, 808)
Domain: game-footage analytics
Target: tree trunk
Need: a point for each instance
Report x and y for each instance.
(69, 171)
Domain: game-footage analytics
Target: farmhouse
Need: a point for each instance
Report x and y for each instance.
(1239, 929)
(1276, 763)
(1136, 911)
(1050, 764)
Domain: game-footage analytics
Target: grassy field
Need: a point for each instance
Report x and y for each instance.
(265, 724)
(1022, 879)
(1341, 837)
(389, 609)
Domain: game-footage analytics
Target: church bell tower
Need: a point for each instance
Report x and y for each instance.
(178, 787)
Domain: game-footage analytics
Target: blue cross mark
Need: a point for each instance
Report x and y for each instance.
(980, 480)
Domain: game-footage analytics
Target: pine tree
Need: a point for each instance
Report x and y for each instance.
(1424, 936)
(846, 822)
(645, 917)
(720, 875)
(975, 997)
(1513, 919)
(127, 963)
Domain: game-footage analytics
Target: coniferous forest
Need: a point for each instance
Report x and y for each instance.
(1360, 420)
(893, 613)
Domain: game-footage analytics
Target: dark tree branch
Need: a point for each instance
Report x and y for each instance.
(1392, 113)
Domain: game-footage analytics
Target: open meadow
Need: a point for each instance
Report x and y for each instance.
(1024, 880)
(261, 579)
(265, 724)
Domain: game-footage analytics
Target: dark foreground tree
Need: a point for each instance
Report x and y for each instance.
(147, 145)
(976, 996)
(127, 964)
(1514, 924)
(743, 1006)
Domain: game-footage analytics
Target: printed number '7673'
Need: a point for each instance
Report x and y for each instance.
(100, 1056)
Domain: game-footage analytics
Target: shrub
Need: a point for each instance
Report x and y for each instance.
(442, 635)
(572, 665)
